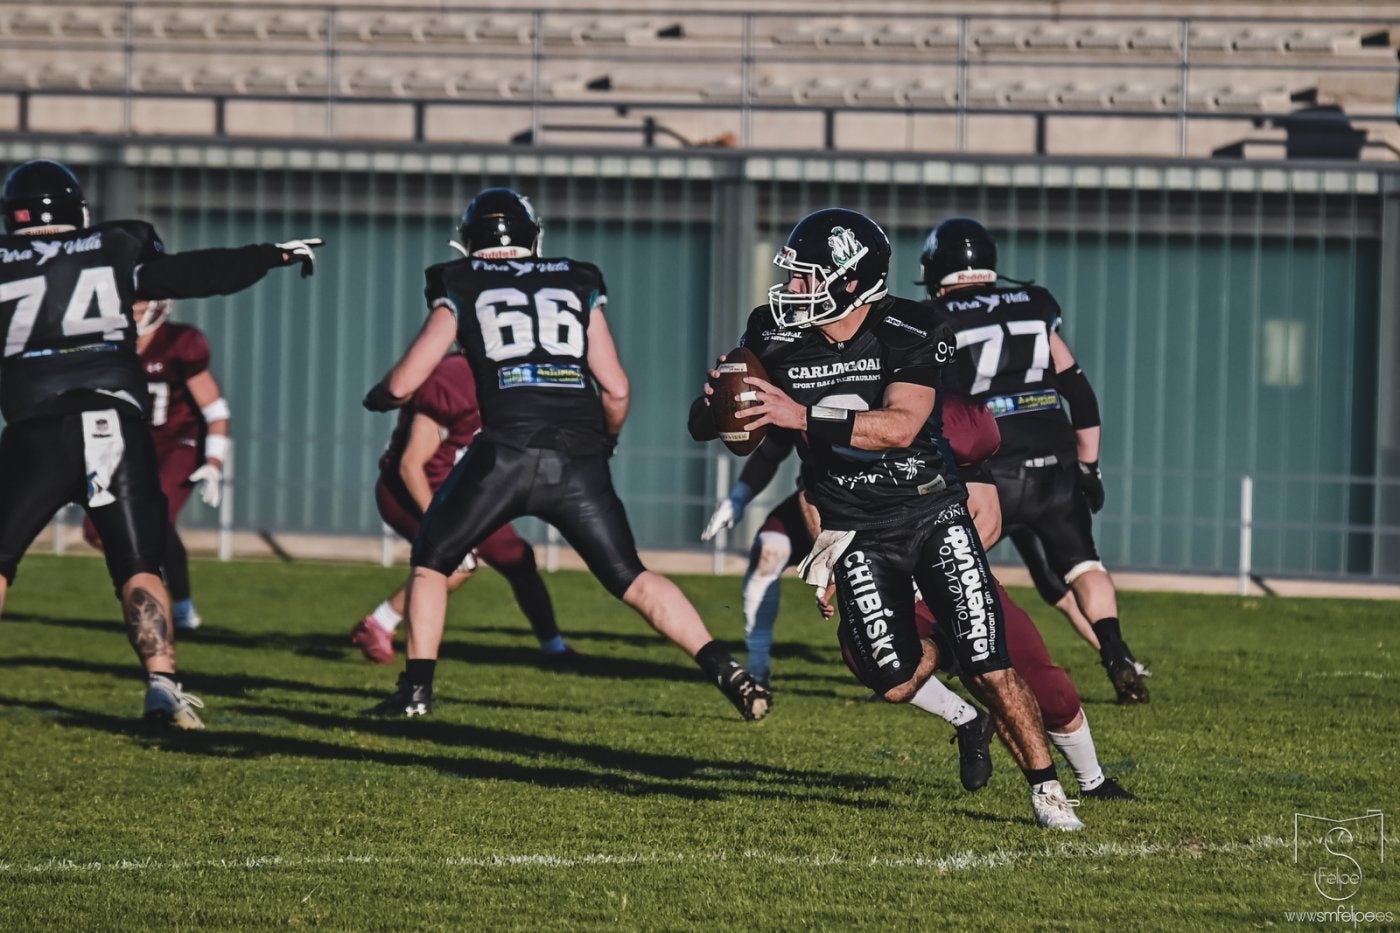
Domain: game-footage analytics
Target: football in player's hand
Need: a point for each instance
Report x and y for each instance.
(732, 396)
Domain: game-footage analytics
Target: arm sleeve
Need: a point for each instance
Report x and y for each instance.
(203, 272)
(762, 465)
(1083, 403)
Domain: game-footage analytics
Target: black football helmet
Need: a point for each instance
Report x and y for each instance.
(500, 224)
(40, 193)
(832, 248)
(958, 251)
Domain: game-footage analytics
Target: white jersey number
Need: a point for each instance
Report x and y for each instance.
(509, 333)
(991, 338)
(160, 402)
(95, 286)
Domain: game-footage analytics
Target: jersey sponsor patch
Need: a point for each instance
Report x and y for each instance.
(1045, 400)
(550, 375)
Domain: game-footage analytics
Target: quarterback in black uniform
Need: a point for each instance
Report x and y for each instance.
(858, 371)
(553, 398)
(1011, 356)
(73, 391)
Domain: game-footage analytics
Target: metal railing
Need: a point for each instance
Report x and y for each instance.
(717, 75)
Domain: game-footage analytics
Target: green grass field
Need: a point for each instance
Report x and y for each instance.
(631, 796)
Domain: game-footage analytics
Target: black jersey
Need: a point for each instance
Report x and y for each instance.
(1004, 361)
(523, 325)
(899, 341)
(65, 311)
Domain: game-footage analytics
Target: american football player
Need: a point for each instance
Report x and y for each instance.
(553, 397)
(433, 432)
(74, 394)
(858, 371)
(189, 422)
(1012, 357)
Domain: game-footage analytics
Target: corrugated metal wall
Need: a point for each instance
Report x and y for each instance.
(1227, 317)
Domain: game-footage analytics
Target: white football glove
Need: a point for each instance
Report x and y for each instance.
(301, 250)
(725, 516)
(211, 489)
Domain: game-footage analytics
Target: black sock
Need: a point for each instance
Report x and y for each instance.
(714, 660)
(166, 675)
(1110, 638)
(420, 671)
(1036, 776)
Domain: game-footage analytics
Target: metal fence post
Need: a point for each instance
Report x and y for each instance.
(1246, 531)
(226, 507)
(722, 468)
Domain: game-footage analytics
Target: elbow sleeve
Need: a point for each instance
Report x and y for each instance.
(1083, 404)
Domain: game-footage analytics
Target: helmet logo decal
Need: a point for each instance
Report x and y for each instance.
(846, 250)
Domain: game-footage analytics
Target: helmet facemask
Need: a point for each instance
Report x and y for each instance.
(828, 297)
(153, 316)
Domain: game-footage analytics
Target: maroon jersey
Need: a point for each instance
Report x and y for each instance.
(449, 398)
(176, 352)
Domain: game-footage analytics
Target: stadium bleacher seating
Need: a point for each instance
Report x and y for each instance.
(690, 66)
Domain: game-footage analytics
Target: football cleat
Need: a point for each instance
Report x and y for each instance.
(187, 620)
(167, 703)
(1053, 809)
(407, 701)
(566, 660)
(1127, 683)
(750, 697)
(974, 739)
(1110, 789)
(374, 641)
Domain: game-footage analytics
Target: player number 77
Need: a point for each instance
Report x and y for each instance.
(991, 336)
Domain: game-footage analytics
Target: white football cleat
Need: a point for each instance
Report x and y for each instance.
(1053, 809)
(168, 703)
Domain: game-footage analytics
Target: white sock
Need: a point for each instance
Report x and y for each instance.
(385, 617)
(933, 697)
(1078, 749)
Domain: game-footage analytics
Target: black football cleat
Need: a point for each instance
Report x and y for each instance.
(1127, 682)
(566, 660)
(407, 701)
(974, 739)
(750, 697)
(1110, 789)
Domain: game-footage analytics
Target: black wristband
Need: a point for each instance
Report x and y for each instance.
(833, 425)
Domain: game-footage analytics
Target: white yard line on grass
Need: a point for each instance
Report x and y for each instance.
(955, 862)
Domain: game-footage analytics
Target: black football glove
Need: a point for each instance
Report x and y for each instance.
(1091, 483)
(301, 251)
(609, 446)
(380, 398)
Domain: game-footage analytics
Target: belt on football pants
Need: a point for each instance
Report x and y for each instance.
(1048, 460)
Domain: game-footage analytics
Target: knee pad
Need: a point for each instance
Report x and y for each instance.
(1081, 568)
(770, 554)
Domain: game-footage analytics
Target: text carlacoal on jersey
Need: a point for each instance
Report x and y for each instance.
(834, 369)
(800, 384)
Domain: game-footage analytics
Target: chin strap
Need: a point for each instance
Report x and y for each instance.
(459, 248)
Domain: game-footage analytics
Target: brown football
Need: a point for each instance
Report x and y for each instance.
(732, 396)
